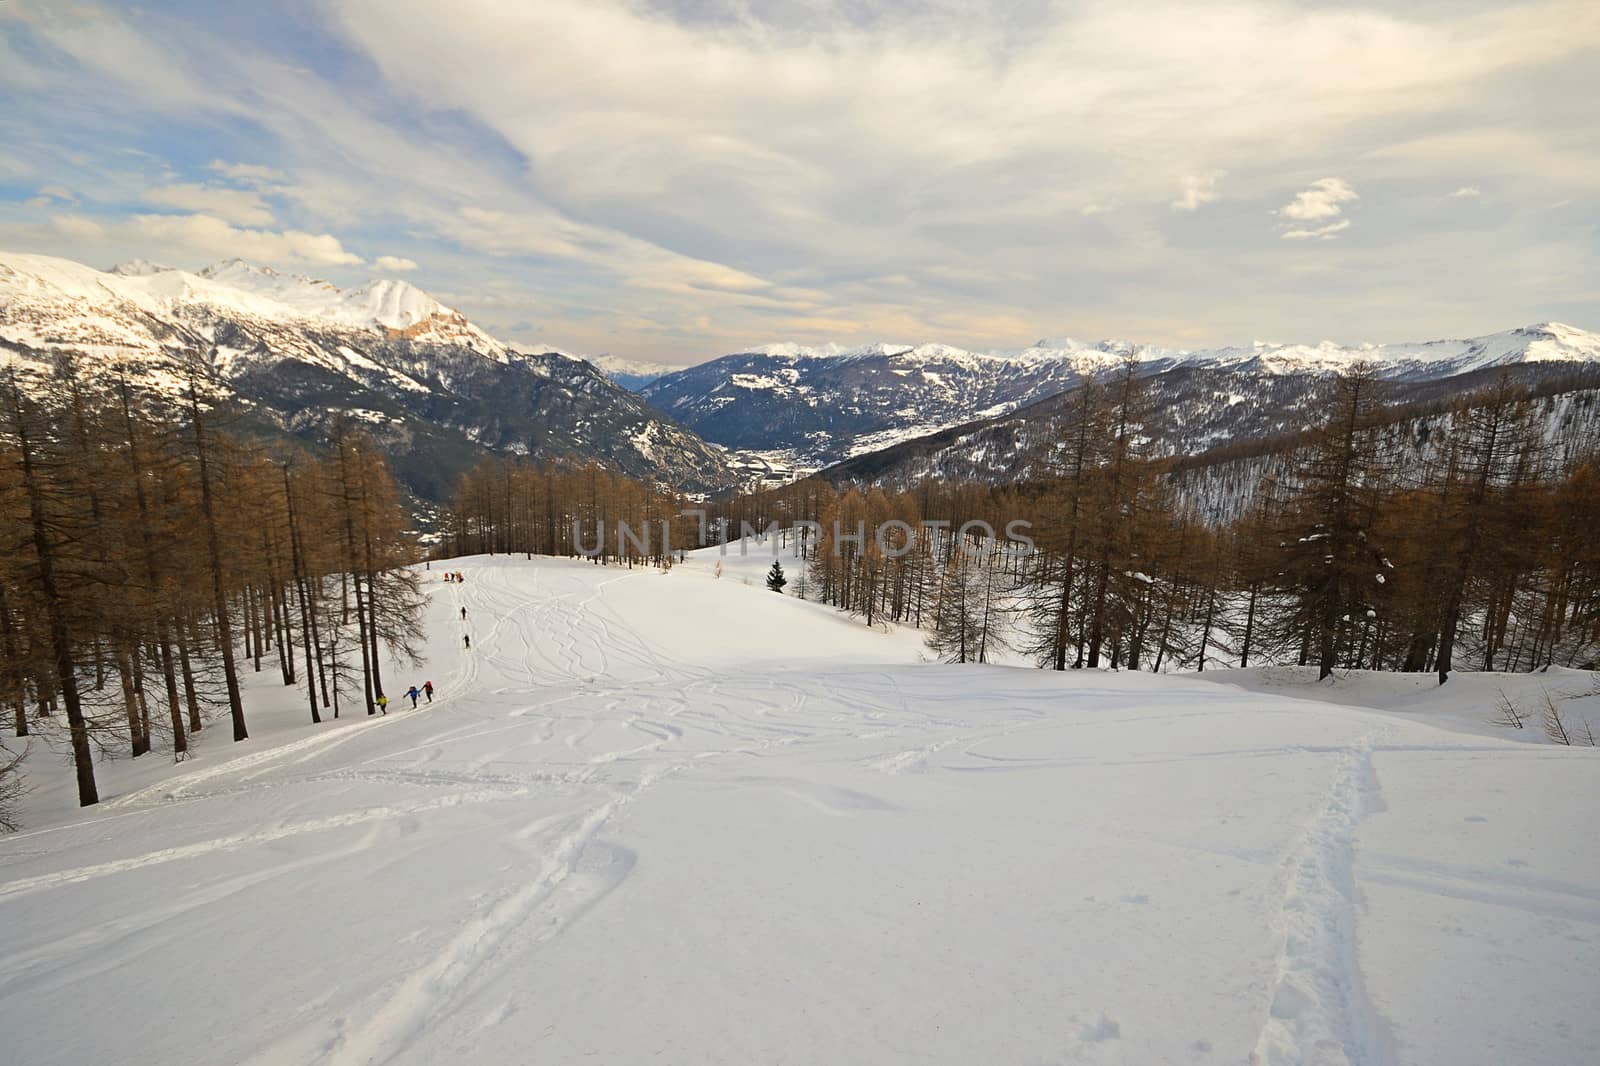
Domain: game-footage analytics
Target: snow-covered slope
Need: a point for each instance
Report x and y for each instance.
(828, 403)
(776, 836)
(437, 390)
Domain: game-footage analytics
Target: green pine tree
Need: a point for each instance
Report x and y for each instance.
(775, 578)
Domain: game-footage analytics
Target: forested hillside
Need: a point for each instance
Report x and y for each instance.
(1202, 420)
(146, 561)
(1359, 547)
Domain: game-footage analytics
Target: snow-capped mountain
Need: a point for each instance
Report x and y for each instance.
(435, 389)
(394, 306)
(632, 374)
(824, 404)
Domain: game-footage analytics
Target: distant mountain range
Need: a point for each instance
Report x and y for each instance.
(631, 374)
(436, 391)
(439, 393)
(1231, 432)
(826, 405)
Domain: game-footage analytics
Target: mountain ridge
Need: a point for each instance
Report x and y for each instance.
(437, 391)
(1218, 453)
(824, 404)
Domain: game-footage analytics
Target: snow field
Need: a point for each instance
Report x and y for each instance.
(677, 818)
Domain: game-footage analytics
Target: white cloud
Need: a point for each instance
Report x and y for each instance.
(1197, 190)
(77, 227)
(802, 137)
(395, 264)
(215, 236)
(1467, 192)
(1322, 203)
(1317, 232)
(207, 237)
(1322, 200)
(633, 262)
(51, 196)
(233, 205)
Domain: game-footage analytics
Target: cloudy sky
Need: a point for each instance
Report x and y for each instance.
(673, 179)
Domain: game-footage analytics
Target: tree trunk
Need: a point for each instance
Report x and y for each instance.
(180, 740)
(189, 694)
(54, 613)
(12, 673)
(297, 569)
(1249, 625)
(136, 740)
(219, 599)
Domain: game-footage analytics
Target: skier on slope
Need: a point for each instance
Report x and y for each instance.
(463, 614)
(427, 688)
(383, 704)
(466, 641)
(413, 692)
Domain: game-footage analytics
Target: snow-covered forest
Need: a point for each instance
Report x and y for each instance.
(1348, 554)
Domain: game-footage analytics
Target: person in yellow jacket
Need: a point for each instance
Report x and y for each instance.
(383, 704)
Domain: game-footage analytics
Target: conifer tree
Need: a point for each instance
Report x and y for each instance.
(1328, 564)
(221, 615)
(1079, 450)
(1118, 508)
(51, 594)
(1495, 436)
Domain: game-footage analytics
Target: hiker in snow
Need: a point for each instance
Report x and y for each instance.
(383, 704)
(413, 693)
(466, 641)
(427, 688)
(463, 614)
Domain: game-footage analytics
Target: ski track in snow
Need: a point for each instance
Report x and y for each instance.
(433, 989)
(580, 634)
(565, 722)
(1320, 1014)
(238, 841)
